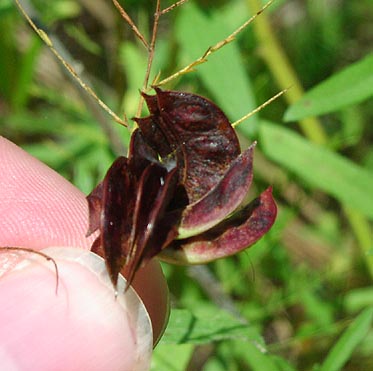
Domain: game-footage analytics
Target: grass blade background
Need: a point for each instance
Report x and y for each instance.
(258, 360)
(178, 361)
(352, 85)
(350, 339)
(319, 167)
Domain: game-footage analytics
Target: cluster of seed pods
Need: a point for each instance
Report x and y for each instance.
(180, 193)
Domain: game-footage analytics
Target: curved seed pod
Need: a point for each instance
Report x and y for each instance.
(198, 131)
(154, 192)
(116, 220)
(229, 237)
(140, 153)
(223, 199)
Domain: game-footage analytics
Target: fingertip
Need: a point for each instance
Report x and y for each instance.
(43, 209)
(82, 327)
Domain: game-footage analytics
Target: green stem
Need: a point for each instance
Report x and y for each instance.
(282, 71)
(363, 234)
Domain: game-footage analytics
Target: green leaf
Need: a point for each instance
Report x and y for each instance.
(259, 360)
(205, 325)
(25, 73)
(343, 349)
(346, 181)
(214, 365)
(5, 7)
(358, 298)
(77, 32)
(171, 357)
(352, 85)
(282, 363)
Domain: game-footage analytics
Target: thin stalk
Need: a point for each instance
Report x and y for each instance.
(212, 49)
(173, 6)
(256, 110)
(48, 41)
(363, 234)
(128, 19)
(151, 51)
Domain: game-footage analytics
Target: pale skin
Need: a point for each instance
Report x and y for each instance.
(38, 209)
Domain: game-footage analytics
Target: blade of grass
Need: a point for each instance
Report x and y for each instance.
(259, 360)
(363, 234)
(346, 181)
(352, 85)
(26, 73)
(319, 167)
(347, 343)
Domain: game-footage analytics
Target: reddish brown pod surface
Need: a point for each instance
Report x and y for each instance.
(179, 193)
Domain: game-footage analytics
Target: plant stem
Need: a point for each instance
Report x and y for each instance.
(363, 235)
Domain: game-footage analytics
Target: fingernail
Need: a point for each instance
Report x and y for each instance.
(129, 300)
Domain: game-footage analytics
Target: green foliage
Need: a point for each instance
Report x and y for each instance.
(301, 298)
(350, 339)
(180, 357)
(319, 167)
(352, 85)
(206, 324)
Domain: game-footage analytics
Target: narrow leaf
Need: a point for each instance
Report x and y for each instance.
(259, 360)
(347, 343)
(352, 85)
(346, 181)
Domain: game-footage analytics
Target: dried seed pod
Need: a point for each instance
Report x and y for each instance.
(176, 194)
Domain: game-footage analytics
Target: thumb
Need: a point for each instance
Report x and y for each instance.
(39, 208)
(81, 326)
